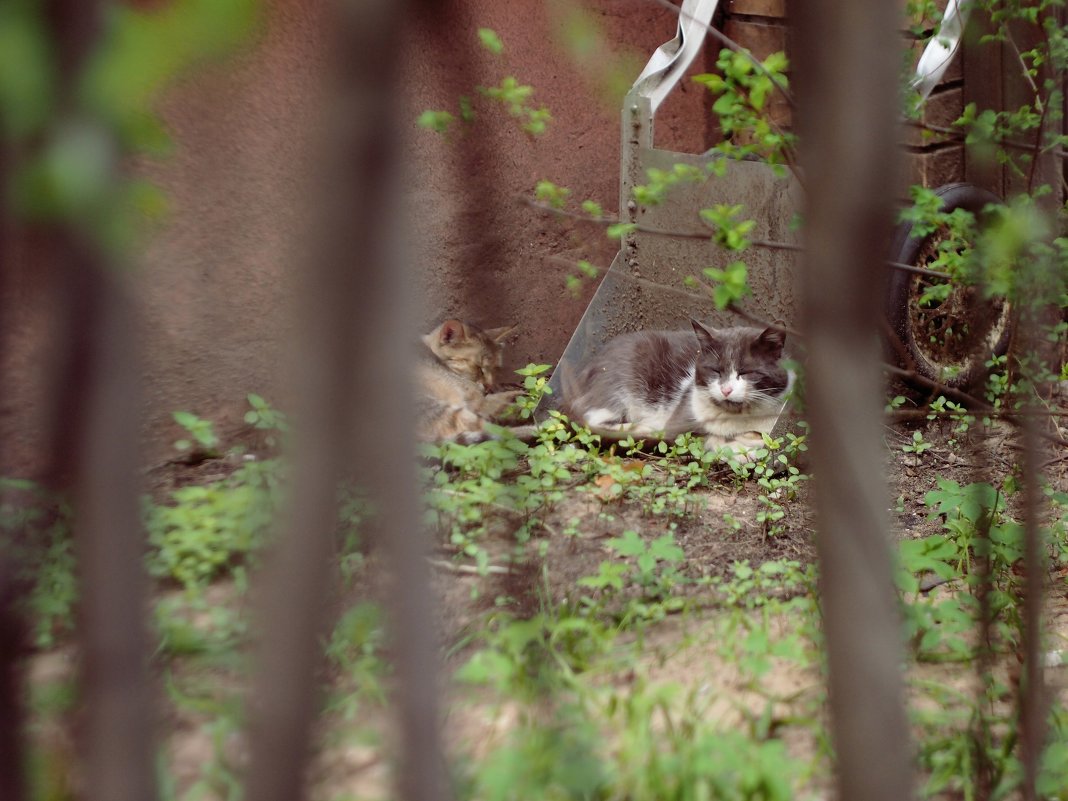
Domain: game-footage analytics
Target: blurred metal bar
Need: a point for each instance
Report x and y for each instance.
(12, 651)
(119, 741)
(1034, 697)
(96, 432)
(846, 72)
(356, 324)
(11, 622)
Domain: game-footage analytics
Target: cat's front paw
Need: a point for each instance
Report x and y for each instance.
(741, 448)
(499, 406)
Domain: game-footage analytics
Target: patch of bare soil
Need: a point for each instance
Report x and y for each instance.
(718, 529)
(199, 466)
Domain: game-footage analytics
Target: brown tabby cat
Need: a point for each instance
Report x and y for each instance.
(455, 377)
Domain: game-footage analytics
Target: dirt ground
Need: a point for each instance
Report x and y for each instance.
(692, 650)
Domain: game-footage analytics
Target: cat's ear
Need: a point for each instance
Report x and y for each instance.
(771, 342)
(707, 340)
(498, 334)
(450, 331)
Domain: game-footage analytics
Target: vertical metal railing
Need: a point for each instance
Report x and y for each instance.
(356, 318)
(846, 70)
(95, 453)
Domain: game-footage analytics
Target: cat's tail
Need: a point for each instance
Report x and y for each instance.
(570, 392)
(490, 431)
(524, 433)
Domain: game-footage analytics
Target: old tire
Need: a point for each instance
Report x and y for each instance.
(948, 341)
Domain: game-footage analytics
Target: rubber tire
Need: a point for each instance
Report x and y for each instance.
(906, 249)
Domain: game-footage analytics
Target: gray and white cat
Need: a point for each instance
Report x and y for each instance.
(728, 384)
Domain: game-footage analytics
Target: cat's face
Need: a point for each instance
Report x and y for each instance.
(740, 367)
(469, 351)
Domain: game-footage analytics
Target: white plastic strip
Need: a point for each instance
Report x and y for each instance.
(937, 56)
(671, 60)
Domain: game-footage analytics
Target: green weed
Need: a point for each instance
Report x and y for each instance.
(201, 432)
(209, 528)
(355, 651)
(35, 533)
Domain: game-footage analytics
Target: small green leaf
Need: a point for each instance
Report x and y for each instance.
(665, 549)
(533, 369)
(548, 192)
(618, 230)
(715, 83)
(630, 544)
(467, 111)
(491, 41)
(185, 419)
(592, 208)
(435, 120)
(485, 667)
